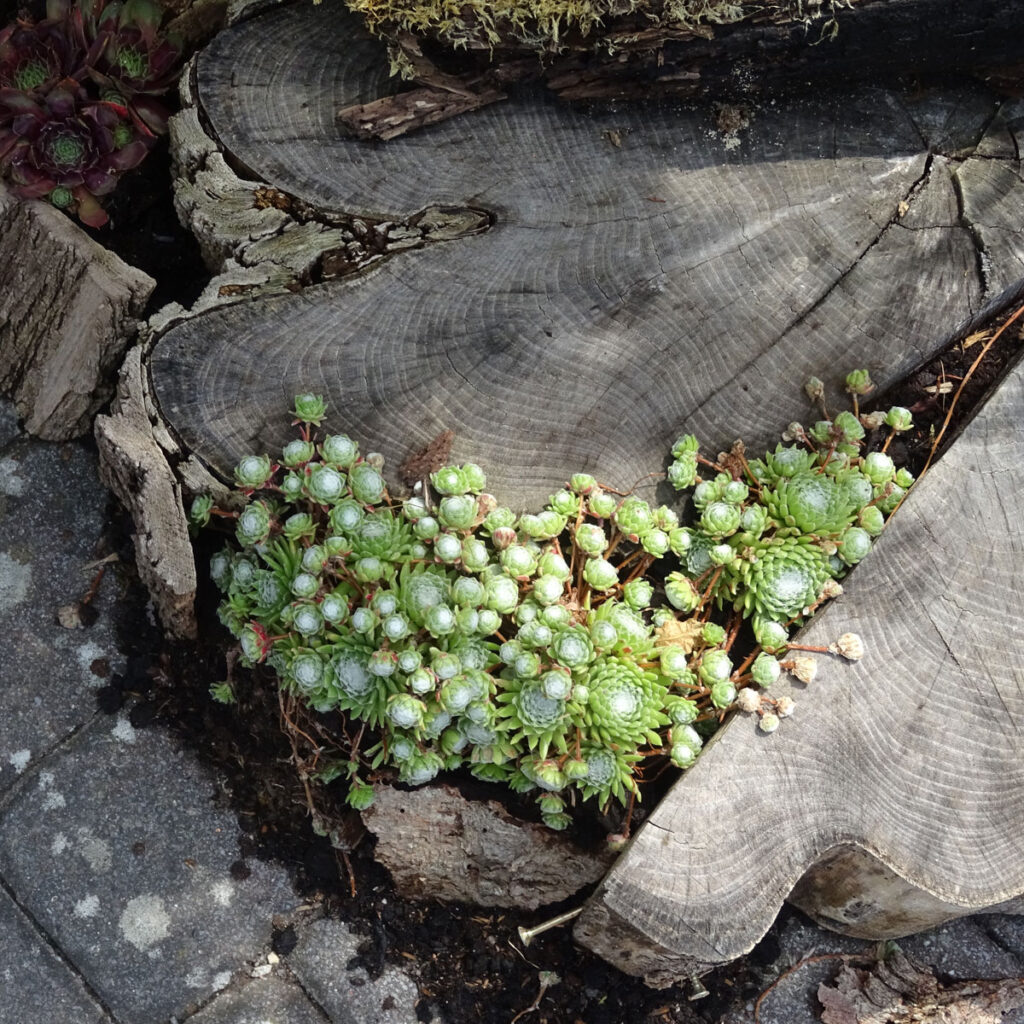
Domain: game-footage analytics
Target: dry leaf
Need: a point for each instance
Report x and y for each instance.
(427, 461)
(678, 634)
(899, 991)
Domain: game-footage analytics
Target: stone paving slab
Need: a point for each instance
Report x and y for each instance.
(113, 847)
(264, 1001)
(52, 513)
(350, 996)
(38, 988)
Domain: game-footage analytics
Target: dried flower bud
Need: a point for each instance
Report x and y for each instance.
(769, 723)
(748, 700)
(814, 389)
(785, 706)
(872, 420)
(803, 667)
(849, 645)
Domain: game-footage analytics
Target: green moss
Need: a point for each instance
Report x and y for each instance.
(543, 24)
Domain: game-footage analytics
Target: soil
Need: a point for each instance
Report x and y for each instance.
(468, 962)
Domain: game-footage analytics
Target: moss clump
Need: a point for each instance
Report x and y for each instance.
(543, 25)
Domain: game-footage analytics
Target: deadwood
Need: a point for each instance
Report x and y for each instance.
(899, 782)
(647, 269)
(746, 51)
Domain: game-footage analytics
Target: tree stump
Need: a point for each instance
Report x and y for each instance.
(646, 270)
(633, 273)
(68, 310)
(898, 780)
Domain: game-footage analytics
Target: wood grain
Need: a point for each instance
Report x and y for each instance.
(680, 279)
(907, 765)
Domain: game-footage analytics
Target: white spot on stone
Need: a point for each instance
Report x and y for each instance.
(53, 800)
(261, 971)
(10, 482)
(14, 581)
(196, 978)
(87, 907)
(144, 922)
(123, 730)
(221, 980)
(19, 760)
(222, 893)
(59, 845)
(45, 780)
(95, 852)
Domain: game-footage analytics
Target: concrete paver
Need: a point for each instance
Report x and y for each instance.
(52, 512)
(263, 1001)
(38, 988)
(113, 847)
(349, 996)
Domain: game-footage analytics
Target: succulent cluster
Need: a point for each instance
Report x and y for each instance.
(78, 99)
(553, 652)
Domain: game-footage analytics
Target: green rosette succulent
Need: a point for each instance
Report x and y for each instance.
(608, 774)
(811, 502)
(528, 713)
(624, 704)
(780, 578)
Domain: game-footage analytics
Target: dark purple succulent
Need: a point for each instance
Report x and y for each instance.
(78, 102)
(130, 59)
(67, 148)
(34, 56)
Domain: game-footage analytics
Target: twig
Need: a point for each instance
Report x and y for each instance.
(845, 957)
(959, 391)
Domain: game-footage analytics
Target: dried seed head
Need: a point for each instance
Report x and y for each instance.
(849, 645)
(784, 707)
(748, 700)
(804, 668)
(768, 723)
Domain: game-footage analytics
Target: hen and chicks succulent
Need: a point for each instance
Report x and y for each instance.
(555, 652)
(78, 99)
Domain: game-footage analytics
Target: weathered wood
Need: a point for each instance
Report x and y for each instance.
(136, 469)
(739, 51)
(68, 310)
(438, 845)
(901, 774)
(648, 269)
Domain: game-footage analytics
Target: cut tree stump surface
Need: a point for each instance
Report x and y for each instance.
(648, 271)
(904, 771)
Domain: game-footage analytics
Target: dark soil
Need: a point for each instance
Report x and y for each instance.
(468, 962)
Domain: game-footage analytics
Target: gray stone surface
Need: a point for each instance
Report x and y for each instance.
(350, 996)
(52, 513)
(989, 946)
(112, 845)
(38, 988)
(264, 1001)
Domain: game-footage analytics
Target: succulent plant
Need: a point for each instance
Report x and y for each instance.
(540, 651)
(68, 129)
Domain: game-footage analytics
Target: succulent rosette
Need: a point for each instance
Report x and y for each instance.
(624, 704)
(34, 57)
(129, 59)
(812, 502)
(780, 578)
(67, 149)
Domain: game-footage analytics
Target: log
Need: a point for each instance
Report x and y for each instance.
(892, 800)
(648, 270)
(68, 310)
(734, 51)
(438, 845)
(136, 469)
